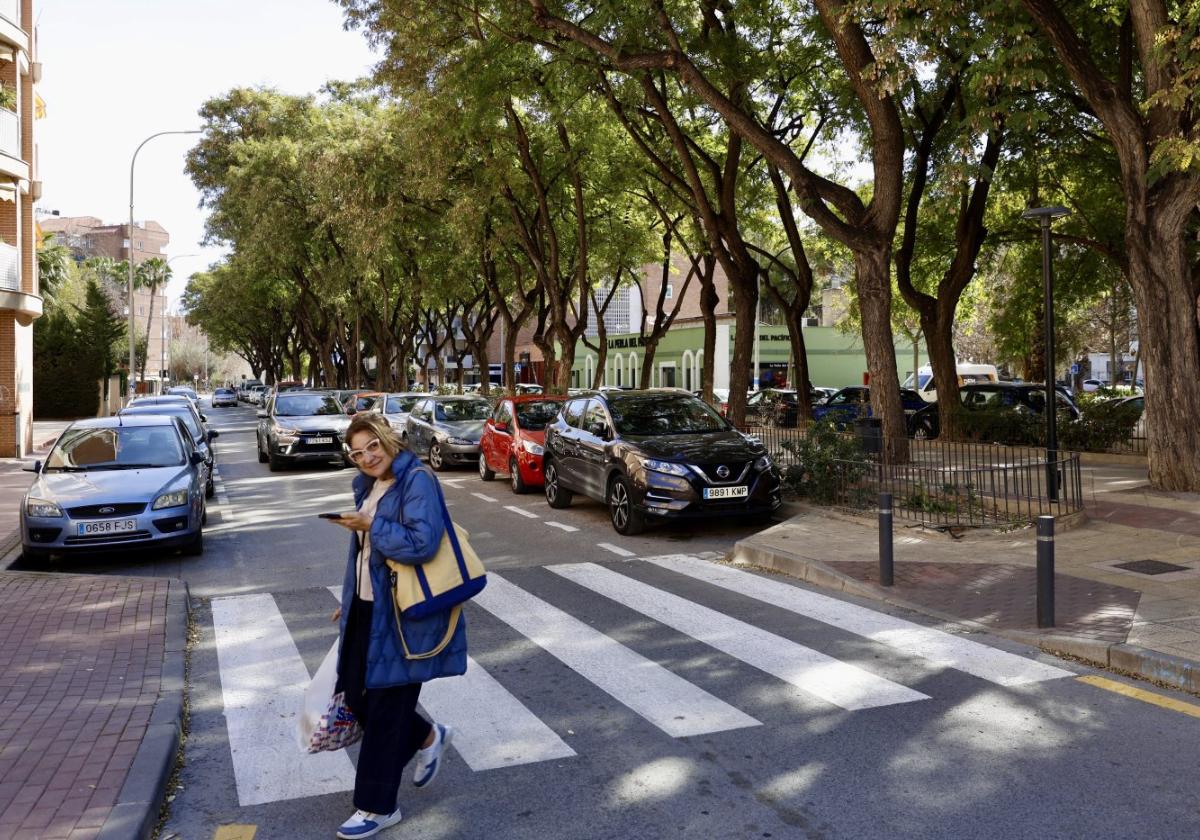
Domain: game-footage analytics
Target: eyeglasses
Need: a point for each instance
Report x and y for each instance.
(373, 447)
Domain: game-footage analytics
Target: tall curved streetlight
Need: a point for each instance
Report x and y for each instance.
(132, 330)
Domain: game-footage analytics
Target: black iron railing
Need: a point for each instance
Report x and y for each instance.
(938, 482)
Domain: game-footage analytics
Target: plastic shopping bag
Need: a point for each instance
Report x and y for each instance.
(326, 722)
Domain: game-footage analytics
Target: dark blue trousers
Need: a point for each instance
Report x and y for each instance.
(393, 729)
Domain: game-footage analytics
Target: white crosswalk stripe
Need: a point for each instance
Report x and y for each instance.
(814, 673)
(936, 646)
(263, 676)
(668, 701)
(262, 684)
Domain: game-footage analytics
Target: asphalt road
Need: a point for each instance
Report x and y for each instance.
(626, 688)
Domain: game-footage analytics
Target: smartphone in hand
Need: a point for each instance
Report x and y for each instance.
(329, 515)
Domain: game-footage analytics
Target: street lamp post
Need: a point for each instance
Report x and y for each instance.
(132, 325)
(1046, 215)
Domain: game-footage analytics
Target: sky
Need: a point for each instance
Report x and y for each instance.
(117, 71)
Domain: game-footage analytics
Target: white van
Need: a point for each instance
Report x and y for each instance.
(967, 373)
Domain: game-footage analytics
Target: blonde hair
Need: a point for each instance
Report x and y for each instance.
(373, 422)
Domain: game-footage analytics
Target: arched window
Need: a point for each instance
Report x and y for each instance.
(618, 370)
(633, 370)
(688, 361)
(589, 370)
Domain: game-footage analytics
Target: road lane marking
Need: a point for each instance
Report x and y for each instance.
(492, 727)
(263, 679)
(522, 512)
(840, 683)
(485, 498)
(661, 697)
(562, 526)
(453, 482)
(615, 549)
(936, 646)
(1141, 694)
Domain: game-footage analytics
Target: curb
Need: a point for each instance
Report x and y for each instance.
(1162, 668)
(135, 814)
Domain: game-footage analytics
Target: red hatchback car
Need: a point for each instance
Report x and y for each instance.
(512, 439)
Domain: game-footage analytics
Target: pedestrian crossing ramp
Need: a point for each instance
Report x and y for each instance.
(263, 675)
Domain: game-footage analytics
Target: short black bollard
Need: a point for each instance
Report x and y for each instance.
(885, 539)
(1045, 571)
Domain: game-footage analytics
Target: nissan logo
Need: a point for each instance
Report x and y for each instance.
(108, 510)
(722, 471)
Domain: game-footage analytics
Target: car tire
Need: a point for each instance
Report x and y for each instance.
(34, 558)
(485, 472)
(210, 489)
(195, 546)
(262, 456)
(273, 463)
(518, 485)
(626, 520)
(436, 461)
(557, 496)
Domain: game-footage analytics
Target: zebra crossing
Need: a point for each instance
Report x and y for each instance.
(263, 675)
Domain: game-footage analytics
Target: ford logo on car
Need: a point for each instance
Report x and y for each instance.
(108, 510)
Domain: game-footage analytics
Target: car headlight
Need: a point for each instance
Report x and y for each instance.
(531, 447)
(42, 508)
(176, 498)
(457, 441)
(665, 467)
(763, 463)
(287, 435)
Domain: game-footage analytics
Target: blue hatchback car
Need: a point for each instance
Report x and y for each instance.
(116, 483)
(849, 404)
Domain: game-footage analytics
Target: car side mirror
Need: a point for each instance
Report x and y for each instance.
(600, 430)
(261, 415)
(196, 458)
(501, 427)
(213, 434)
(203, 418)
(351, 411)
(36, 468)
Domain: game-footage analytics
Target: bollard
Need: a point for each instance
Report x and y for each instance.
(1045, 571)
(885, 539)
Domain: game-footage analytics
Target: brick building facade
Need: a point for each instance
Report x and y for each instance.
(88, 236)
(20, 302)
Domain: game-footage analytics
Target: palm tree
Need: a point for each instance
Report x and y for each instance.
(54, 266)
(151, 275)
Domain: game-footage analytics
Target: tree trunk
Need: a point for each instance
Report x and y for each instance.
(939, 339)
(874, 282)
(1169, 334)
(708, 313)
(745, 299)
(795, 325)
(509, 376)
(649, 350)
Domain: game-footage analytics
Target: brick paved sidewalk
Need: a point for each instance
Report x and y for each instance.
(81, 671)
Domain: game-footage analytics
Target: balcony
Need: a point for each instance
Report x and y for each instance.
(11, 162)
(10, 271)
(11, 10)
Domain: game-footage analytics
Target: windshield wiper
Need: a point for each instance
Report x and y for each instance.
(65, 469)
(131, 466)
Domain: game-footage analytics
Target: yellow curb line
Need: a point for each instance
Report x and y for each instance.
(236, 832)
(1143, 695)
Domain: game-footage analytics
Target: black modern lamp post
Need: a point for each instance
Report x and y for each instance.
(1046, 215)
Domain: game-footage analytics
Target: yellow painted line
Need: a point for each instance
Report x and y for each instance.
(1140, 694)
(235, 832)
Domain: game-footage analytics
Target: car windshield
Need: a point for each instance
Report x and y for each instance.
(309, 405)
(224, 392)
(172, 410)
(123, 447)
(656, 415)
(364, 403)
(533, 416)
(401, 405)
(455, 411)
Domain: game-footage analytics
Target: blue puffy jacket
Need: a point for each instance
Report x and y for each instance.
(407, 528)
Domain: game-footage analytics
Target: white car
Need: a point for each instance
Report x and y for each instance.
(1090, 385)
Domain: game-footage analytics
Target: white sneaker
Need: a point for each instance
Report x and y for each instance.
(429, 760)
(366, 824)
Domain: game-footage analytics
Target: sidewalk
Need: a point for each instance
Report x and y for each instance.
(91, 690)
(1127, 581)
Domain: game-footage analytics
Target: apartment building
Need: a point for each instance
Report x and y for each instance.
(88, 236)
(20, 302)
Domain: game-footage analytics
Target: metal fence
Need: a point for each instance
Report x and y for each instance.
(947, 483)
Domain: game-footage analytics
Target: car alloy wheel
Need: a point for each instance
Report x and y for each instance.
(484, 472)
(435, 457)
(514, 476)
(557, 496)
(625, 519)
